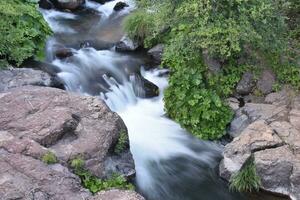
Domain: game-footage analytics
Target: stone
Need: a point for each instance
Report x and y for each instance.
(294, 118)
(68, 4)
(116, 194)
(144, 88)
(213, 64)
(156, 53)
(266, 81)
(23, 177)
(233, 103)
(45, 4)
(120, 5)
(63, 53)
(69, 125)
(238, 125)
(276, 167)
(246, 84)
(126, 44)
(279, 98)
(17, 77)
(257, 136)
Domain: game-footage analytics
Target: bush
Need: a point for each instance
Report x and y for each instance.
(49, 158)
(122, 143)
(93, 183)
(23, 32)
(246, 180)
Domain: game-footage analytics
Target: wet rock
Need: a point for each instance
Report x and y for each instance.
(144, 88)
(156, 53)
(101, 1)
(120, 5)
(63, 53)
(246, 84)
(46, 4)
(213, 64)
(20, 77)
(126, 44)
(68, 4)
(257, 136)
(116, 194)
(67, 124)
(266, 81)
(23, 177)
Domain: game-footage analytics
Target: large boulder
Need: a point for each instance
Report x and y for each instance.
(23, 177)
(18, 77)
(272, 138)
(69, 125)
(117, 195)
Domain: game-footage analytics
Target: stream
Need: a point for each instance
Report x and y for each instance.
(170, 163)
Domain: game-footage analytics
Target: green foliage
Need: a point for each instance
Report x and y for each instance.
(288, 74)
(246, 180)
(49, 158)
(122, 143)
(23, 31)
(93, 183)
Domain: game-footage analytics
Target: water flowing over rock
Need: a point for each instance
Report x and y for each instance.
(272, 138)
(126, 44)
(117, 195)
(66, 124)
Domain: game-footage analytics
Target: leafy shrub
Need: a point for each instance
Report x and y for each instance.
(246, 180)
(122, 143)
(23, 31)
(93, 183)
(49, 158)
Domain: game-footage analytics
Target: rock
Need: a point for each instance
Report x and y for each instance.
(294, 118)
(233, 103)
(67, 124)
(23, 177)
(101, 1)
(279, 171)
(279, 98)
(116, 194)
(213, 64)
(46, 4)
(126, 44)
(68, 4)
(257, 136)
(156, 53)
(18, 77)
(266, 81)
(238, 125)
(63, 53)
(144, 88)
(246, 84)
(120, 5)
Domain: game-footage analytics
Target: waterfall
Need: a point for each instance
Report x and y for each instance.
(170, 163)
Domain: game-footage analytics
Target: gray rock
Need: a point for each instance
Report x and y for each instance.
(23, 177)
(266, 81)
(238, 125)
(67, 124)
(24, 76)
(246, 84)
(213, 64)
(276, 167)
(126, 44)
(117, 195)
(233, 103)
(255, 137)
(156, 53)
(120, 5)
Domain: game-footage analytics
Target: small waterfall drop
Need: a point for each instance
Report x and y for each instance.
(170, 163)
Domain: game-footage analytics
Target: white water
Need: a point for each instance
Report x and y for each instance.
(170, 164)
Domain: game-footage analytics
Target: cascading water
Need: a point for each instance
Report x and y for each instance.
(170, 164)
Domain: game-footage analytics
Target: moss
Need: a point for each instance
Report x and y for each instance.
(122, 142)
(95, 184)
(49, 158)
(246, 180)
